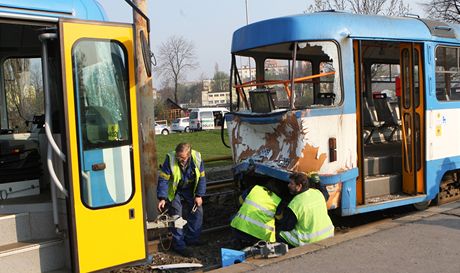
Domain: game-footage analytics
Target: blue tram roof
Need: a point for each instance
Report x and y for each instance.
(80, 9)
(334, 25)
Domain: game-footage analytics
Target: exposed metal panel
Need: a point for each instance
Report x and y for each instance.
(439, 29)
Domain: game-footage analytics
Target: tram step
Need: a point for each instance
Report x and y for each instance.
(26, 226)
(382, 184)
(15, 228)
(32, 256)
(379, 165)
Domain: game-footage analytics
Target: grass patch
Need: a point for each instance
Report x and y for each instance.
(208, 143)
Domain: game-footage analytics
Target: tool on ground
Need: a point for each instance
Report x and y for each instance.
(164, 221)
(266, 249)
(176, 266)
(195, 207)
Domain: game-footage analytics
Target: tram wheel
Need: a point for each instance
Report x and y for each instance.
(422, 205)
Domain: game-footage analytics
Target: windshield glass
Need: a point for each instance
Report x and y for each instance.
(316, 76)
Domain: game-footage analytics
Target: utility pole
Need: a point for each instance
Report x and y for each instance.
(247, 23)
(146, 114)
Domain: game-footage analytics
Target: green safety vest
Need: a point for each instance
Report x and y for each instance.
(313, 222)
(256, 216)
(176, 174)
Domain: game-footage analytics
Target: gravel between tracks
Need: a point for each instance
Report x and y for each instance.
(217, 212)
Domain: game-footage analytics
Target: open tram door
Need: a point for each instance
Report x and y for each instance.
(412, 118)
(108, 226)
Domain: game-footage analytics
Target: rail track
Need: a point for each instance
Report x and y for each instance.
(220, 203)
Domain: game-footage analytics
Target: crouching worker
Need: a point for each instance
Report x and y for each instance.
(181, 185)
(305, 219)
(255, 220)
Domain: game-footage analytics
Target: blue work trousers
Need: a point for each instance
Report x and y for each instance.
(191, 232)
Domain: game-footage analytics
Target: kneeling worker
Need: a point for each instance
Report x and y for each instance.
(305, 220)
(255, 220)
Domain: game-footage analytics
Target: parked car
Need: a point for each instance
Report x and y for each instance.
(162, 128)
(181, 125)
(207, 118)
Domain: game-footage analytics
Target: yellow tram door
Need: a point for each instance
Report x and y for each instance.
(412, 118)
(108, 224)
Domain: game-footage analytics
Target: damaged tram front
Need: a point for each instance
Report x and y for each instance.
(343, 95)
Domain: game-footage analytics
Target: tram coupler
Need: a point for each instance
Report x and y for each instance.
(165, 221)
(266, 250)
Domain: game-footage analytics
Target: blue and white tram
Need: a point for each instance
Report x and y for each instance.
(371, 103)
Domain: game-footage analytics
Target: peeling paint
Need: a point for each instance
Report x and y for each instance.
(311, 160)
(334, 195)
(297, 141)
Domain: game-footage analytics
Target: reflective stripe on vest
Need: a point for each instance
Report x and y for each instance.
(313, 222)
(256, 215)
(303, 238)
(176, 174)
(255, 222)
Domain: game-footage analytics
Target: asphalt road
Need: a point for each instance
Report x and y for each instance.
(423, 242)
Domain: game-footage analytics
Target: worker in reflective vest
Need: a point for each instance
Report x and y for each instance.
(181, 186)
(305, 220)
(255, 220)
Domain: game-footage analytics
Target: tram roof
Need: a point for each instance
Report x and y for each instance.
(80, 9)
(339, 25)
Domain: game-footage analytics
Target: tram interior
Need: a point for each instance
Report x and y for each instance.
(22, 140)
(26, 215)
(381, 132)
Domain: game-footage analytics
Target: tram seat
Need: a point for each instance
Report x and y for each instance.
(19, 162)
(384, 113)
(370, 121)
(454, 93)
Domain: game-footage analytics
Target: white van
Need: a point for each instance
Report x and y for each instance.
(207, 118)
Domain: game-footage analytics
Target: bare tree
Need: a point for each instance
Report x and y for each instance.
(175, 57)
(23, 91)
(444, 10)
(385, 7)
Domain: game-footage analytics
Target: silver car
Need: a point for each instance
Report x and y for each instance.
(162, 129)
(181, 125)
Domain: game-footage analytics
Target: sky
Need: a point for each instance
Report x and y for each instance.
(208, 24)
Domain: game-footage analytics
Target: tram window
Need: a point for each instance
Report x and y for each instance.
(447, 73)
(102, 91)
(102, 109)
(383, 80)
(23, 85)
(279, 70)
(313, 59)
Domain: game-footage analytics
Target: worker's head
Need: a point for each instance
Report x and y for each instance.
(298, 183)
(183, 153)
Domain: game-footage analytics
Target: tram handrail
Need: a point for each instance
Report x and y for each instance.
(253, 83)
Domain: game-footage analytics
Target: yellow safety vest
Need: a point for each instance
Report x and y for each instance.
(256, 216)
(313, 222)
(176, 174)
